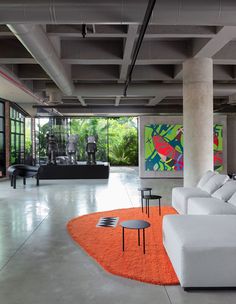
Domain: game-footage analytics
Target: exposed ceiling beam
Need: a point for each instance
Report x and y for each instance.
(13, 89)
(94, 28)
(40, 47)
(178, 72)
(68, 110)
(17, 61)
(128, 48)
(153, 32)
(208, 48)
(214, 45)
(138, 90)
(81, 100)
(117, 101)
(129, 11)
(154, 101)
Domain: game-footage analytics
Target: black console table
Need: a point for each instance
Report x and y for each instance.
(80, 171)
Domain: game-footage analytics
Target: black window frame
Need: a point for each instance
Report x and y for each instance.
(17, 118)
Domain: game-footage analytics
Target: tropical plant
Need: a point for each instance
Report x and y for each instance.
(123, 141)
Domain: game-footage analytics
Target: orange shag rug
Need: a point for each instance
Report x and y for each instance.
(104, 244)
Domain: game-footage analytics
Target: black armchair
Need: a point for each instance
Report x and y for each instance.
(24, 171)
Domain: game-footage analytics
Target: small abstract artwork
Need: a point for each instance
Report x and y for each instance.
(107, 222)
(164, 148)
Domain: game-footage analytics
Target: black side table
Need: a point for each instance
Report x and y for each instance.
(142, 190)
(152, 197)
(134, 224)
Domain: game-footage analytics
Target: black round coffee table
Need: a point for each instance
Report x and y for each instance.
(134, 224)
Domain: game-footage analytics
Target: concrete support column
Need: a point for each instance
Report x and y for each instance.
(197, 118)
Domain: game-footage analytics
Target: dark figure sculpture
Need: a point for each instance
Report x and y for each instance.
(52, 148)
(91, 149)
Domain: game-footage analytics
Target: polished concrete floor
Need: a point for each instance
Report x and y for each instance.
(40, 263)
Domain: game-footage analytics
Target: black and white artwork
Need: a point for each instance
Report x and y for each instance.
(107, 222)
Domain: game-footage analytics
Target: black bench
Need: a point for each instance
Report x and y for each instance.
(24, 171)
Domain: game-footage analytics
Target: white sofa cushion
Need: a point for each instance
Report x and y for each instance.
(226, 191)
(202, 249)
(232, 200)
(215, 182)
(206, 206)
(205, 178)
(180, 196)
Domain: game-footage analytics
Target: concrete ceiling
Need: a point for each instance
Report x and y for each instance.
(49, 56)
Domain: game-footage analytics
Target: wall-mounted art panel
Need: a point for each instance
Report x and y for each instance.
(162, 146)
(218, 147)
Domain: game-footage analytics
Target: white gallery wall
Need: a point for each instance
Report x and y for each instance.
(172, 120)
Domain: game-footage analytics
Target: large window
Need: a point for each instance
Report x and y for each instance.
(28, 142)
(123, 141)
(117, 137)
(91, 126)
(2, 140)
(17, 136)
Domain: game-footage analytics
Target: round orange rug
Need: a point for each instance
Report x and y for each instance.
(105, 245)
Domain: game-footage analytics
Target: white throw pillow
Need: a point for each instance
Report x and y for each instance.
(232, 200)
(226, 191)
(215, 182)
(205, 178)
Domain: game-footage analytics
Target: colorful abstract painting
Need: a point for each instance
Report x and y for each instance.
(164, 147)
(218, 147)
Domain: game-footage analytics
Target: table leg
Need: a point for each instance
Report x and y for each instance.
(14, 182)
(142, 199)
(146, 204)
(159, 206)
(123, 238)
(144, 241)
(148, 208)
(24, 181)
(139, 237)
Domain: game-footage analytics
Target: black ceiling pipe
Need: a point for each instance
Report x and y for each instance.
(143, 29)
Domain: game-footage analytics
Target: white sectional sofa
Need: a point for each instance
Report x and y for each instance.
(202, 249)
(201, 240)
(222, 201)
(206, 188)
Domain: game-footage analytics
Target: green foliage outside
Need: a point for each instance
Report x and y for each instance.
(90, 126)
(123, 141)
(42, 129)
(28, 139)
(117, 138)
